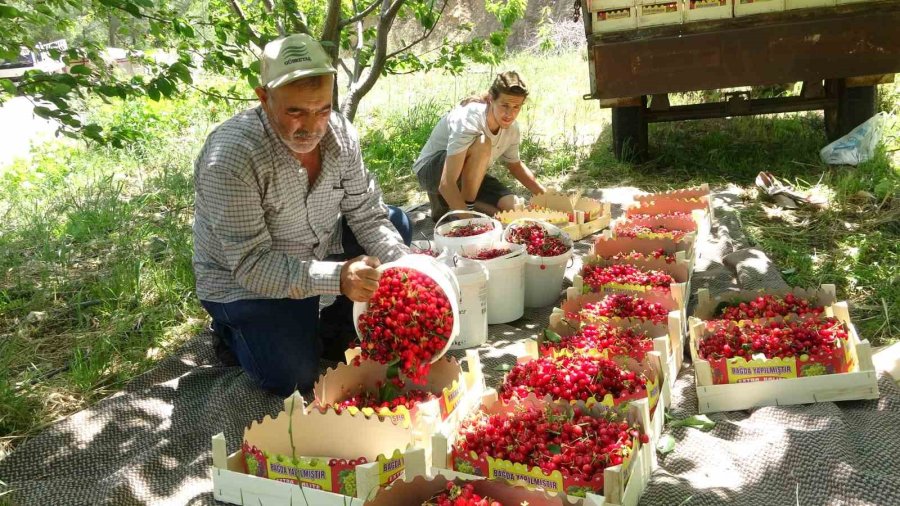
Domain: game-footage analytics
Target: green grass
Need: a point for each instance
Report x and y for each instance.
(96, 282)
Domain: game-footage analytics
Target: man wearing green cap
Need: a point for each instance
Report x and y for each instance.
(286, 212)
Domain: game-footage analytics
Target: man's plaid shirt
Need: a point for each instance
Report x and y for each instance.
(260, 231)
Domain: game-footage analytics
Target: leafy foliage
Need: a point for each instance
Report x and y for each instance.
(174, 42)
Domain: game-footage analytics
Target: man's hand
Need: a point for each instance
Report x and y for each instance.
(359, 278)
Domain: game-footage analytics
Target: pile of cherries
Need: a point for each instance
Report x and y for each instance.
(468, 230)
(621, 306)
(388, 394)
(811, 337)
(616, 341)
(636, 255)
(598, 276)
(770, 306)
(643, 231)
(573, 378)
(460, 495)
(536, 240)
(575, 443)
(488, 253)
(408, 321)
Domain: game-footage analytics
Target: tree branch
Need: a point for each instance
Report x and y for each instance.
(346, 69)
(361, 14)
(425, 34)
(236, 7)
(361, 88)
(270, 8)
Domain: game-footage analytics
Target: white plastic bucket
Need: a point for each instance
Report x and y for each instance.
(506, 281)
(454, 244)
(544, 276)
(424, 245)
(473, 303)
(441, 274)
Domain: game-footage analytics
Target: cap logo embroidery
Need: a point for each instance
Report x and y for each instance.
(294, 54)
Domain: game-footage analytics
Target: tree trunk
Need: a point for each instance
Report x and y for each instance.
(112, 25)
(359, 89)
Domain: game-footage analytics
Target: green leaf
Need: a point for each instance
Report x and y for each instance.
(388, 392)
(8, 86)
(393, 371)
(701, 422)
(8, 11)
(92, 131)
(551, 336)
(555, 449)
(666, 444)
(153, 93)
(132, 9)
(503, 367)
(43, 112)
(107, 90)
(80, 69)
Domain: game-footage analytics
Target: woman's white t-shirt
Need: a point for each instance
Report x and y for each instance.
(459, 128)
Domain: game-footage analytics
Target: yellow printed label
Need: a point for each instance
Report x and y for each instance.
(519, 473)
(702, 4)
(390, 469)
(450, 397)
(614, 14)
(652, 392)
(741, 371)
(313, 472)
(400, 415)
(660, 8)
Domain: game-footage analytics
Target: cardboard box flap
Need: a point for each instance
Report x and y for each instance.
(684, 193)
(421, 489)
(686, 223)
(548, 215)
(668, 206)
(824, 296)
(315, 433)
(344, 380)
(556, 200)
(611, 243)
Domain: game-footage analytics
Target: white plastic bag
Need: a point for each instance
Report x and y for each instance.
(857, 146)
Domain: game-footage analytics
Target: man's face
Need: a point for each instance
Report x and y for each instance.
(505, 109)
(299, 114)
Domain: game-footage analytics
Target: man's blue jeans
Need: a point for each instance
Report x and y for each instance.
(276, 341)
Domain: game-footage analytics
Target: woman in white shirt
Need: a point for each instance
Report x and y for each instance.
(453, 165)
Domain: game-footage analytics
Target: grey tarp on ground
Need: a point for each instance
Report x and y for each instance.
(150, 444)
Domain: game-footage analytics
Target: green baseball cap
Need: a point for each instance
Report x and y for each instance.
(291, 58)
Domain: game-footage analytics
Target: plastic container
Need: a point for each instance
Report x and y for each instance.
(544, 276)
(473, 303)
(455, 244)
(441, 274)
(506, 281)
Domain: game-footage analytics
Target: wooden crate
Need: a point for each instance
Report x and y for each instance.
(603, 5)
(679, 291)
(807, 4)
(679, 194)
(620, 487)
(658, 13)
(700, 10)
(233, 485)
(860, 383)
(668, 337)
(825, 295)
(461, 390)
(614, 20)
(750, 7)
(419, 489)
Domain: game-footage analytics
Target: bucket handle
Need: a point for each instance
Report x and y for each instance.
(463, 211)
